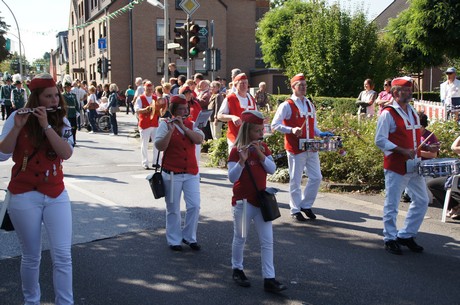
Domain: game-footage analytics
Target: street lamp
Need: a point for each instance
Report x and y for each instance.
(164, 7)
(19, 37)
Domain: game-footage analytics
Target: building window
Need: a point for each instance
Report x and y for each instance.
(160, 34)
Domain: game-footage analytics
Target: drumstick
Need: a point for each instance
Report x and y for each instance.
(424, 141)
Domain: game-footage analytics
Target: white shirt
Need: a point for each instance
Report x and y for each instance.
(449, 90)
(284, 113)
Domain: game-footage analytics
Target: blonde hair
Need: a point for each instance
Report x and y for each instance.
(242, 139)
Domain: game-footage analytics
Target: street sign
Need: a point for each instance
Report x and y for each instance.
(203, 31)
(189, 6)
(102, 43)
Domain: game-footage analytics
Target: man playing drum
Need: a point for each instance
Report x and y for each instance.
(296, 118)
(398, 136)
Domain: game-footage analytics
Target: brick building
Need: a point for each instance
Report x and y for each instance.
(135, 37)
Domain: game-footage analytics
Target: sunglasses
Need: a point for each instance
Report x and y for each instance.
(386, 85)
(449, 73)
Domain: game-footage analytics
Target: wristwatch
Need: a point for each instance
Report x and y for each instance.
(47, 127)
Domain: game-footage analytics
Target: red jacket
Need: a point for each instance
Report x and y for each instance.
(145, 119)
(235, 109)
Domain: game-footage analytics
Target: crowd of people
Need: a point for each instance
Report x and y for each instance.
(41, 140)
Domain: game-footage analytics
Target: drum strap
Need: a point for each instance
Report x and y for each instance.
(306, 111)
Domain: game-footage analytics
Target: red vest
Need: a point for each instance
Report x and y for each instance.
(180, 155)
(145, 120)
(195, 109)
(402, 137)
(244, 187)
(235, 109)
(39, 171)
(291, 141)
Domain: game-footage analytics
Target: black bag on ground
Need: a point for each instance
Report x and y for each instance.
(267, 200)
(156, 182)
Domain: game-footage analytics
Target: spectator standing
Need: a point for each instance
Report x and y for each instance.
(173, 70)
(81, 98)
(129, 99)
(92, 105)
(73, 107)
(366, 99)
(251, 157)
(40, 142)
(215, 102)
(398, 136)
(177, 138)
(384, 98)
(113, 108)
(450, 88)
(262, 98)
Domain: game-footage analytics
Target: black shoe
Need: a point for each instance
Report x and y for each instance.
(176, 247)
(298, 216)
(240, 278)
(393, 247)
(272, 285)
(309, 213)
(194, 246)
(405, 197)
(410, 243)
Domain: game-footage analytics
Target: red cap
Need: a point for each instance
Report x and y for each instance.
(178, 99)
(404, 81)
(185, 88)
(239, 77)
(43, 80)
(297, 78)
(148, 84)
(252, 116)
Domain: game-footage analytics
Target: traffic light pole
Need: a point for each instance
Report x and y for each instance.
(212, 45)
(188, 45)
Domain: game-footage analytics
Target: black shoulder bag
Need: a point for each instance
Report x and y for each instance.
(156, 182)
(267, 200)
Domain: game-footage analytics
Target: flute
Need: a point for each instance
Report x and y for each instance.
(32, 110)
(249, 145)
(170, 120)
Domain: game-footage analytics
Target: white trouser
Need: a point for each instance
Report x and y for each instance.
(265, 233)
(216, 129)
(394, 185)
(28, 211)
(230, 145)
(190, 186)
(308, 161)
(146, 135)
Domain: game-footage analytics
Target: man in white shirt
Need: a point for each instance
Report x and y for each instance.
(450, 88)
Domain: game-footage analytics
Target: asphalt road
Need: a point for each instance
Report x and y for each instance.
(120, 255)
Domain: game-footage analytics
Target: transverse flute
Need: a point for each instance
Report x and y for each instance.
(32, 110)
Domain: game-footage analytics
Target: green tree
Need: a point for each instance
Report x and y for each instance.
(335, 49)
(4, 53)
(433, 26)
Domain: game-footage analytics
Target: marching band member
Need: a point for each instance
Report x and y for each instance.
(398, 136)
(40, 141)
(296, 118)
(250, 152)
(177, 138)
(233, 105)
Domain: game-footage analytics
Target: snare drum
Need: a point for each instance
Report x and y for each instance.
(319, 145)
(441, 167)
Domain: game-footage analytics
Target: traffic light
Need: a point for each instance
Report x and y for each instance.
(99, 65)
(107, 65)
(207, 60)
(181, 39)
(193, 30)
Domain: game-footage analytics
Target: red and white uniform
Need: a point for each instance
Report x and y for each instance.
(180, 175)
(395, 127)
(235, 104)
(292, 113)
(148, 125)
